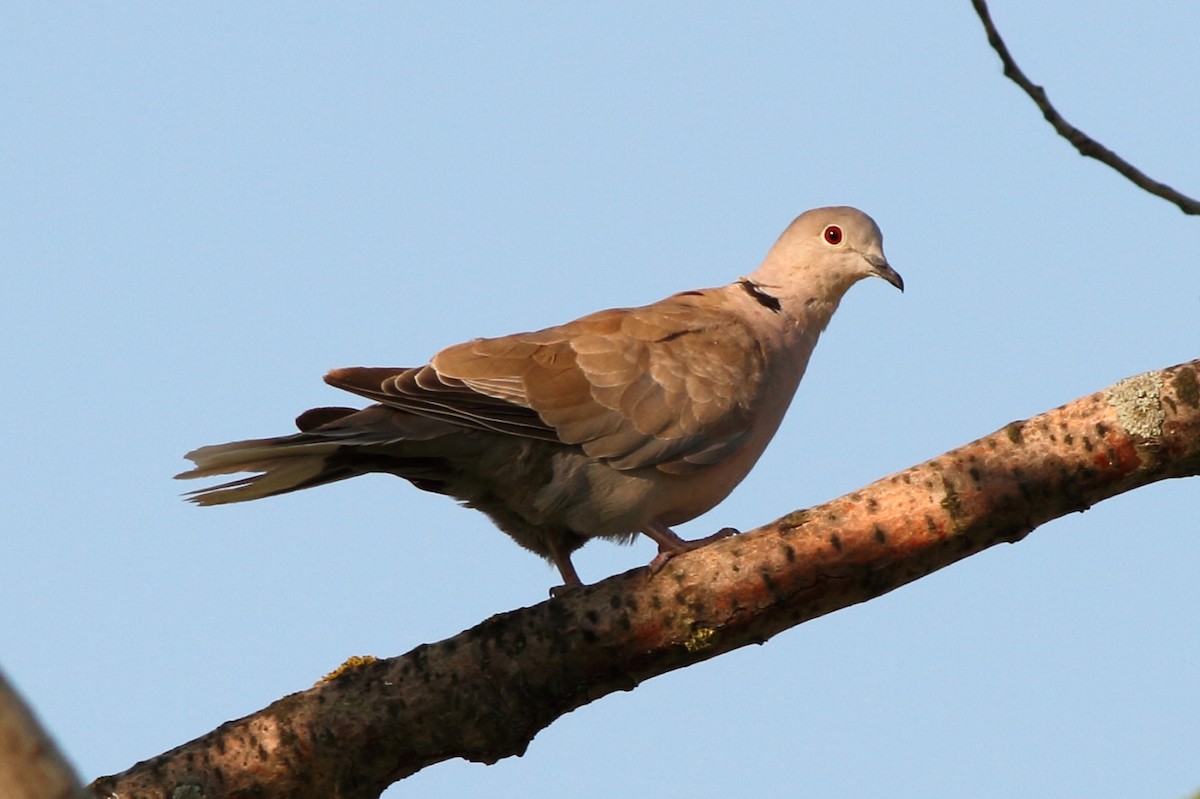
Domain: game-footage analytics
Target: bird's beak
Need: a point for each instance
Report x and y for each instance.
(884, 270)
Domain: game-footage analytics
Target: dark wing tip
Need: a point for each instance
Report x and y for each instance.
(362, 379)
(316, 417)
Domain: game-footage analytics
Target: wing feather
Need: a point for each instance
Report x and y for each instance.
(671, 385)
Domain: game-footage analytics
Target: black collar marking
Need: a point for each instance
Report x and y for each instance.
(761, 297)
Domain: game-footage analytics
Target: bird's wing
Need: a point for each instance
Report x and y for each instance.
(672, 385)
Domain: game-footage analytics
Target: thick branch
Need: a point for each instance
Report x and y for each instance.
(483, 694)
(31, 767)
(1086, 145)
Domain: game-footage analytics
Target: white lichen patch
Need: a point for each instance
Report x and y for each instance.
(1137, 403)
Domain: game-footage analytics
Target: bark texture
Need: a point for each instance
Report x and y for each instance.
(31, 767)
(483, 694)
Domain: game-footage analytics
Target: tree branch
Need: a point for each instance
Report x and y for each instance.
(483, 694)
(31, 767)
(1086, 145)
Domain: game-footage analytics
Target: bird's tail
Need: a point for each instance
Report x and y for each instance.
(333, 444)
(286, 463)
(321, 453)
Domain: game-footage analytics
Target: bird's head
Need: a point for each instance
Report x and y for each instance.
(823, 253)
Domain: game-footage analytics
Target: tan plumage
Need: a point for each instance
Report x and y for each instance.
(624, 421)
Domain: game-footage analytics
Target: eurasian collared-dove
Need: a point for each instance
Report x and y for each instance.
(624, 421)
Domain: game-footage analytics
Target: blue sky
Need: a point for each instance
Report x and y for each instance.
(207, 206)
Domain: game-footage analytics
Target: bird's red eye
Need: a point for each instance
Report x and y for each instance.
(833, 234)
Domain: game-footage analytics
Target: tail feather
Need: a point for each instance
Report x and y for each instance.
(336, 443)
(285, 464)
(241, 456)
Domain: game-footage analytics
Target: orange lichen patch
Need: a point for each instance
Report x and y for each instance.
(1118, 453)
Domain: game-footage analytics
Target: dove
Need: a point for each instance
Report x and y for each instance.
(624, 421)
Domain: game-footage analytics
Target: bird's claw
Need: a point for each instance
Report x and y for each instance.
(678, 546)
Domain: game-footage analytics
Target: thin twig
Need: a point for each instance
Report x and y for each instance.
(1085, 144)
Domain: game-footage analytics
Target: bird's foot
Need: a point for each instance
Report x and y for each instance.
(670, 544)
(566, 589)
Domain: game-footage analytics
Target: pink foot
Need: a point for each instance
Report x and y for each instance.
(670, 544)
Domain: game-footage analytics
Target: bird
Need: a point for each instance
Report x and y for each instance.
(623, 422)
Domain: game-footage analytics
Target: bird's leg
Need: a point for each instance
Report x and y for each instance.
(571, 581)
(670, 544)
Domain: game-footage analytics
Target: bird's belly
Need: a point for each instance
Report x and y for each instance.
(596, 500)
(559, 487)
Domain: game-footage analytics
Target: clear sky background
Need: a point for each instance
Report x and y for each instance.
(205, 206)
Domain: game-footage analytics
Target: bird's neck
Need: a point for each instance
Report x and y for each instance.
(793, 314)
